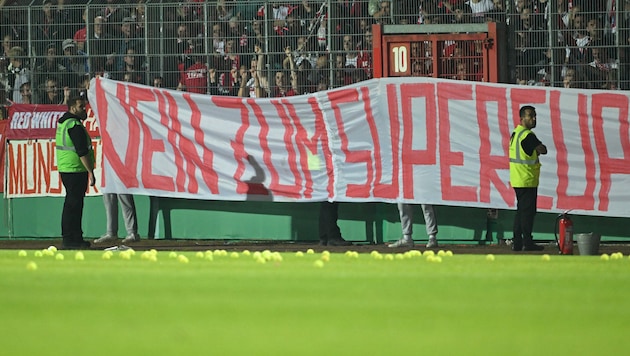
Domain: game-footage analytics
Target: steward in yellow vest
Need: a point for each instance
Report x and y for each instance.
(524, 177)
(75, 163)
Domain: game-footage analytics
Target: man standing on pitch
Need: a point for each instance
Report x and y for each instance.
(75, 163)
(524, 176)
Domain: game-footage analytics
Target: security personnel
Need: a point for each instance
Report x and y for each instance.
(75, 163)
(524, 175)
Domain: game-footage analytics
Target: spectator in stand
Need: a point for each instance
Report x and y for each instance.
(380, 10)
(80, 35)
(134, 72)
(350, 51)
(51, 27)
(126, 41)
(75, 62)
(18, 73)
(195, 76)
(113, 13)
(101, 49)
(365, 54)
(479, 8)
(138, 14)
(53, 96)
(50, 67)
(25, 91)
(250, 85)
(600, 69)
(158, 82)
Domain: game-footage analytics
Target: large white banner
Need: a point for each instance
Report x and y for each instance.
(416, 140)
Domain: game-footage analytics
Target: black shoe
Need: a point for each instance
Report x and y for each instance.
(339, 242)
(76, 245)
(533, 247)
(517, 248)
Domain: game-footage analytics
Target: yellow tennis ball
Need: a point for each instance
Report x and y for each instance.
(489, 257)
(22, 253)
(31, 266)
(79, 256)
(59, 257)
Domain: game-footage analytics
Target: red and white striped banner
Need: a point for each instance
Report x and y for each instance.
(417, 140)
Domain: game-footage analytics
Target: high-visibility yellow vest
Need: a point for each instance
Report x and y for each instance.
(524, 168)
(67, 159)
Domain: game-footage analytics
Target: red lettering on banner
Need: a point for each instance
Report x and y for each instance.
(449, 158)
(125, 170)
(381, 189)
(288, 190)
(16, 175)
(189, 149)
(489, 164)
(530, 96)
(53, 168)
(319, 136)
(607, 165)
(171, 121)
(586, 201)
(338, 98)
(301, 141)
(240, 154)
(409, 156)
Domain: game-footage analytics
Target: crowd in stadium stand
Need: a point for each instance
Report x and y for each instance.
(51, 48)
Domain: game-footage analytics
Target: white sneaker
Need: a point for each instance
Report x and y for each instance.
(131, 238)
(432, 243)
(403, 242)
(106, 238)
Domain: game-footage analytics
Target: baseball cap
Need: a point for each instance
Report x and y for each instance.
(68, 43)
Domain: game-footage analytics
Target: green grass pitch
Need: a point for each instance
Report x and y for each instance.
(364, 304)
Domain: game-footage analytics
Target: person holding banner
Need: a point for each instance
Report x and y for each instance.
(75, 163)
(406, 222)
(329, 232)
(111, 212)
(524, 176)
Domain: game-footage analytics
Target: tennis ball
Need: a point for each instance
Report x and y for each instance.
(449, 253)
(276, 256)
(199, 254)
(310, 251)
(428, 253)
(318, 263)
(31, 266)
(616, 256)
(545, 257)
(47, 252)
(261, 260)
(59, 257)
(182, 259)
(234, 255)
(389, 257)
(299, 254)
(38, 254)
(605, 257)
(107, 255)
(209, 257)
(489, 257)
(79, 256)
(256, 255)
(246, 253)
(399, 256)
(52, 248)
(153, 258)
(441, 253)
(125, 255)
(172, 254)
(325, 258)
(22, 253)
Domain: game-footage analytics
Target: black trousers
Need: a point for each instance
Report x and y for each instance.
(526, 199)
(328, 215)
(76, 185)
